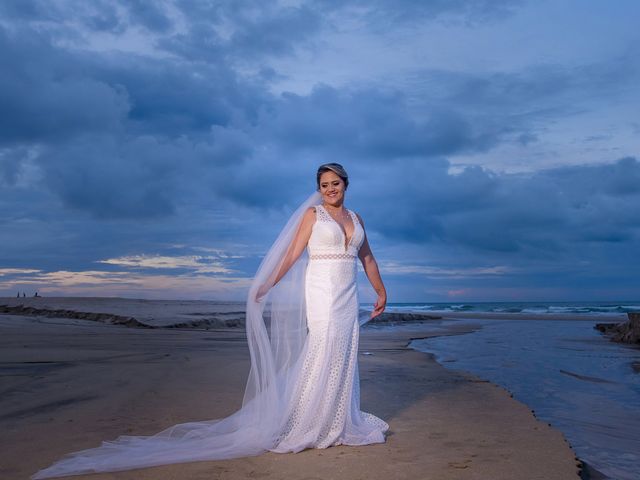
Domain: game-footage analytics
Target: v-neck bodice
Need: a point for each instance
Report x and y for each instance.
(329, 237)
(342, 228)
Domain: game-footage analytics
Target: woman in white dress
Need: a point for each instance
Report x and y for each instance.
(303, 389)
(325, 406)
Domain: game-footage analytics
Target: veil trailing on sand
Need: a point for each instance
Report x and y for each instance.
(276, 334)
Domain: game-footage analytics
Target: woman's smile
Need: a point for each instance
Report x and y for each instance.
(332, 188)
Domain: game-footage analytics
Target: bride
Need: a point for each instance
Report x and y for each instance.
(303, 389)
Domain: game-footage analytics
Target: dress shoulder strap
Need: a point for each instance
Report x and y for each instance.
(321, 214)
(354, 216)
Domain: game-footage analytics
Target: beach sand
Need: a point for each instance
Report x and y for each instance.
(69, 384)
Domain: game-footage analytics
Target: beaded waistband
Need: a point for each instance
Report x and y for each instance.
(331, 256)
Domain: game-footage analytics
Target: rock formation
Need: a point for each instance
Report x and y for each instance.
(624, 332)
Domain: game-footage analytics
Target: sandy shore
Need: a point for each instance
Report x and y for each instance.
(154, 313)
(68, 384)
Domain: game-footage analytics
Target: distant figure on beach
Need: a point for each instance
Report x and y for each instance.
(24, 294)
(35, 294)
(303, 389)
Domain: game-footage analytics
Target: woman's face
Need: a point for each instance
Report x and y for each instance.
(332, 188)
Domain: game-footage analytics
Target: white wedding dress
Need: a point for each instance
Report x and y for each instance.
(303, 389)
(325, 406)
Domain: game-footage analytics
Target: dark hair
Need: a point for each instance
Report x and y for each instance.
(335, 168)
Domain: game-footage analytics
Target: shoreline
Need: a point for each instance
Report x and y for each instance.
(198, 314)
(586, 471)
(612, 317)
(80, 382)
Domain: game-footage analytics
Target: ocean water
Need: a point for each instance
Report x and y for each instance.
(567, 372)
(593, 308)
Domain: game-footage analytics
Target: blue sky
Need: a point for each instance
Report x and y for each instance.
(155, 149)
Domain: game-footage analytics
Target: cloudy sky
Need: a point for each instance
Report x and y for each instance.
(154, 149)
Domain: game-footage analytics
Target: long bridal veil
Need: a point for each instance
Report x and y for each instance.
(276, 334)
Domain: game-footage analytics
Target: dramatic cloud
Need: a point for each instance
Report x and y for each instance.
(156, 149)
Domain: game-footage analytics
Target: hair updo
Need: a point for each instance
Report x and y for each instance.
(335, 168)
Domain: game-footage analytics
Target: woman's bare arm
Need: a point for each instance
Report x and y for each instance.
(373, 274)
(296, 247)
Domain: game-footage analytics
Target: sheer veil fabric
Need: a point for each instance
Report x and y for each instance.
(276, 334)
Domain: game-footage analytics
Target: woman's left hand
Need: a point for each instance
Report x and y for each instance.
(380, 305)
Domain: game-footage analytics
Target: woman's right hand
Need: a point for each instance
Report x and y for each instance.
(262, 291)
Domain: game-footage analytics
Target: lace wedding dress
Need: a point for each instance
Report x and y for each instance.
(325, 407)
(303, 389)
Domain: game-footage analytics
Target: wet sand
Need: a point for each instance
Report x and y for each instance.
(68, 384)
